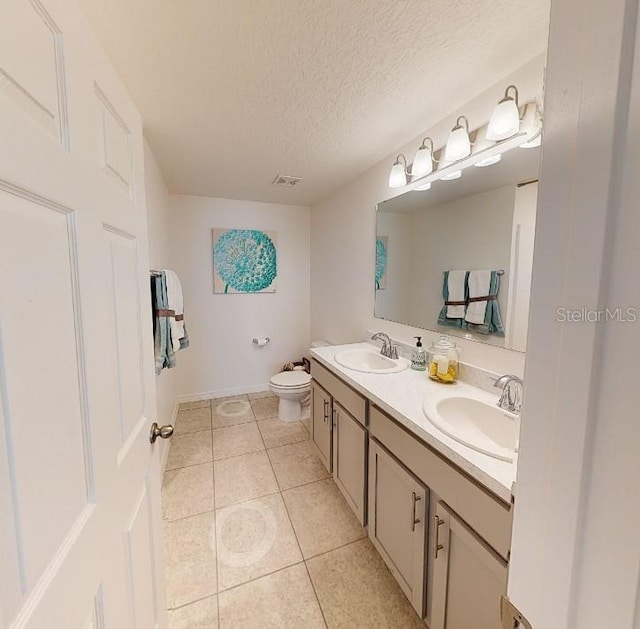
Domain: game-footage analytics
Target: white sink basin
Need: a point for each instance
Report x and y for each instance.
(477, 424)
(369, 361)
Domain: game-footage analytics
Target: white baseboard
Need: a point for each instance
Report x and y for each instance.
(194, 397)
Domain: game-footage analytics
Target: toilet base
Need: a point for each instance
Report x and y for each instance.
(289, 410)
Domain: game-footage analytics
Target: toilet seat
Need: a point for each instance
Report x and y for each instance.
(293, 390)
(291, 380)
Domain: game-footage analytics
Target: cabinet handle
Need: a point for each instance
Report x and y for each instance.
(414, 520)
(326, 411)
(438, 546)
(333, 417)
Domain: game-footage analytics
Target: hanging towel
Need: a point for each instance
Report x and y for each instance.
(449, 290)
(176, 303)
(483, 312)
(456, 290)
(163, 348)
(478, 283)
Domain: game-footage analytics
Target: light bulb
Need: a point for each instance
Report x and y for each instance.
(451, 176)
(532, 126)
(458, 144)
(424, 186)
(489, 161)
(398, 174)
(505, 120)
(423, 159)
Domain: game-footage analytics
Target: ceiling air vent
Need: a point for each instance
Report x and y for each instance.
(286, 181)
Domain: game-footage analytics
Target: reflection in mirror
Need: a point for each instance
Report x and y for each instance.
(483, 224)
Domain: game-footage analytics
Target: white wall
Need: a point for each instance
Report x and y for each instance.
(575, 556)
(522, 244)
(473, 232)
(394, 301)
(343, 240)
(222, 359)
(160, 257)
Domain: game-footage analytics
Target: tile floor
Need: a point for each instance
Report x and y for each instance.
(258, 535)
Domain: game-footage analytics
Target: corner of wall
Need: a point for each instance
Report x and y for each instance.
(159, 229)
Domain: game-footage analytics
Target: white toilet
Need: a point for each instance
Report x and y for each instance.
(292, 387)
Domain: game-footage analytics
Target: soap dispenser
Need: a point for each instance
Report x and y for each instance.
(419, 356)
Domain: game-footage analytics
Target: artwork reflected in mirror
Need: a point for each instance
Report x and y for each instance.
(457, 258)
(382, 248)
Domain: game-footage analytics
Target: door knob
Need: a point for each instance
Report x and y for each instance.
(164, 432)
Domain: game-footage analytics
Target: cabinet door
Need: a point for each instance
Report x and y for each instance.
(321, 422)
(397, 517)
(349, 443)
(468, 576)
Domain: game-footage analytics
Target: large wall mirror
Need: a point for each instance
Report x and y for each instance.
(439, 250)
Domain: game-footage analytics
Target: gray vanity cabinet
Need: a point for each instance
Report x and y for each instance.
(321, 424)
(468, 576)
(349, 453)
(398, 508)
(444, 536)
(339, 419)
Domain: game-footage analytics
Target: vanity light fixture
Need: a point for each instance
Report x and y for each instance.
(533, 143)
(532, 126)
(458, 145)
(505, 119)
(423, 159)
(398, 174)
(460, 153)
(489, 161)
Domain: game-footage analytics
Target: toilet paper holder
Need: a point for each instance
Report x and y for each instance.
(261, 342)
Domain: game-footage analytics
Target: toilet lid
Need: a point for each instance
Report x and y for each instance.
(291, 379)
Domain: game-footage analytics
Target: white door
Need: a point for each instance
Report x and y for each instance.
(79, 480)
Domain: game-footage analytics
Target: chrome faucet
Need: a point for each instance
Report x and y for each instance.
(512, 390)
(388, 349)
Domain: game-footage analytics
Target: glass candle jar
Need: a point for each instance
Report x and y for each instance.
(443, 360)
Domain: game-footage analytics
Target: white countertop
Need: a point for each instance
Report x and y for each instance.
(402, 395)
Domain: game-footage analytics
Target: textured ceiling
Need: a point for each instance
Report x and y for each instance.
(233, 92)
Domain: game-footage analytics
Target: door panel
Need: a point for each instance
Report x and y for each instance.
(321, 424)
(349, 447)
(38, 240)
(116, 159)
(139, 533)
(34, 80)
(468, 577)
(79, 481)
(124, 291)
(397, 522)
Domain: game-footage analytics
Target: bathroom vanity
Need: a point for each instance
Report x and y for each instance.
(438, 512)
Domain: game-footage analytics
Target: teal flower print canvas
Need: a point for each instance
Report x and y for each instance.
(244, 261)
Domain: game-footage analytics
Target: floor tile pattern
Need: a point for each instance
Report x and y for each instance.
(257, 534)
